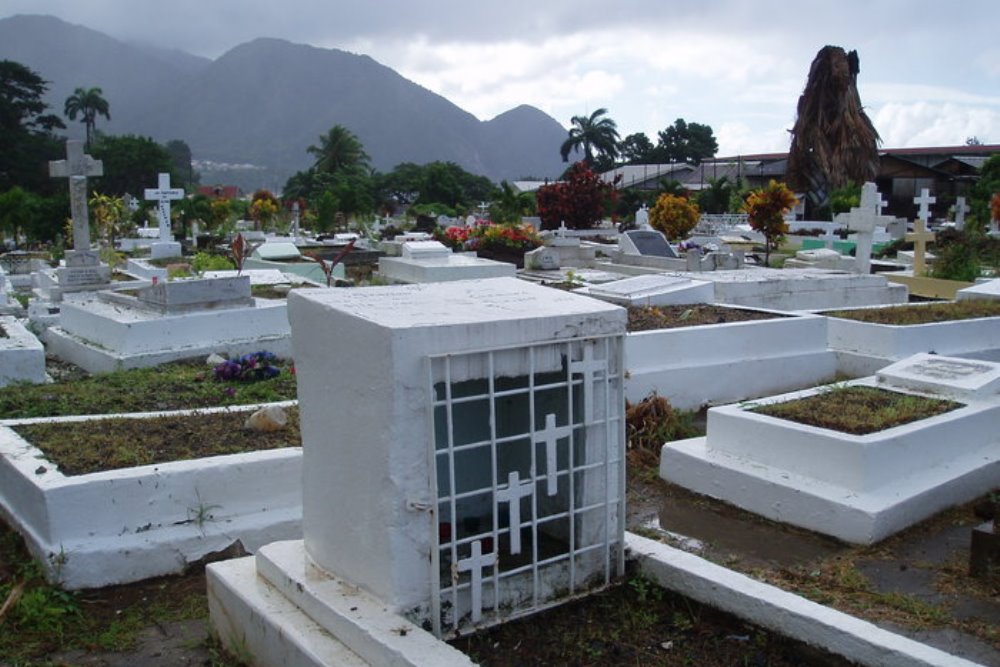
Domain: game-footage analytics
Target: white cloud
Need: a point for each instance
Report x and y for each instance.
(927, 124)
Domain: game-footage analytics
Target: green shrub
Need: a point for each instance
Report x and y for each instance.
(204, 261)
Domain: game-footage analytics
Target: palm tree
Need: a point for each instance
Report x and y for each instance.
(88, 103)
(834, 144)
(338, 149)
(592, 133)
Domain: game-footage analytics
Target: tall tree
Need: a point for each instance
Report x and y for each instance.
(636, 149)
(338, 149)
(767, 208)
(596, 132)
(686, 142)
(26, 130)
(581, 200)
(180, 156)
(131, 164)
(834, 144)
(88, 103)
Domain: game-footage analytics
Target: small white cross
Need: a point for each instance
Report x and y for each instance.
(550, 436)
(512, 494)
(925, 200)
(163, 195)
(475, 564)
(961, 208)
(588, 367)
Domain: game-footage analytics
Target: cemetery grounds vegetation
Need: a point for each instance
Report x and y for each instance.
(922, 314)
(648, 318)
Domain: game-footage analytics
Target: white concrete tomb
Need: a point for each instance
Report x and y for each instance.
(463, 457)
(858, 488)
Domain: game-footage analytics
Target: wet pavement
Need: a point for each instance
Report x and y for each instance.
(923, 570)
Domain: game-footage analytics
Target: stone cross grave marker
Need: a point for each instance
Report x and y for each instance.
(295, 219)
(925, 200)
(864, 219)
(77, 167)
(920, 236)
(642, 218)
(961, 208)
(163, 195)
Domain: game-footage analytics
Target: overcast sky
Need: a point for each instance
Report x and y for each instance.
(930, 70)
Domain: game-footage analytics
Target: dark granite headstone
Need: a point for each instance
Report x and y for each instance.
(647, 243)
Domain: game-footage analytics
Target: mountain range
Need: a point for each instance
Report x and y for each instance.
(250, 114)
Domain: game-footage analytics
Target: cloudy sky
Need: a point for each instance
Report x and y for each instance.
(930, 70)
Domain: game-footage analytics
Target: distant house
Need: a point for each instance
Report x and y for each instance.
(220, 191)
(947, 171)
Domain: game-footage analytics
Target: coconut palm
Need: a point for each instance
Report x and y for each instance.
(338, 149)
(595, 132)
(88, 103)
(834, 144)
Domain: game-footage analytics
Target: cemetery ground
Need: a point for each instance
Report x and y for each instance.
(915, 583)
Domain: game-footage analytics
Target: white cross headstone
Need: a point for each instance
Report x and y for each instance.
(925, 200)
(474, 564)
(77, 167)
(550, 436)
(588, 367)
(163, 195)
(864, 219)
(512, 494)
(961, 208)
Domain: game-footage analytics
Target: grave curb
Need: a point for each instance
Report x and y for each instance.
(781, 611)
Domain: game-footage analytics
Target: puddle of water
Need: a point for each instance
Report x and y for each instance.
(753, 542)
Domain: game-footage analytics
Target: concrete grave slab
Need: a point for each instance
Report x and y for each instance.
(22, 356)
(653, 290)
(988, 290)
(947, 376)
(858, 488)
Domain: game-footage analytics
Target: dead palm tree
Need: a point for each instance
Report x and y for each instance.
(834, 144)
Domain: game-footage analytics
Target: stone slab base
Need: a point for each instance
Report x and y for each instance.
(276, 608)
(781, 611)
(856, 517)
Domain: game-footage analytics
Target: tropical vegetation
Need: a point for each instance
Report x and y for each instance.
(88, 103)
(594, 135)
(767, 208)
(580, 201)
(674, 216)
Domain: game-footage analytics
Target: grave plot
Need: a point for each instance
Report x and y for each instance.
(864, 347)
(107, 331)
(858, 488)
(22, 357)
(432, 262)
(123, 525)
(719, 363)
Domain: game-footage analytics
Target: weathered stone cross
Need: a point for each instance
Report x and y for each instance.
(475, 564)
(550, 436)
(925, 200)
(77, 167)
(512, 494)
(920, 236)
(163, 195)
(961, 208)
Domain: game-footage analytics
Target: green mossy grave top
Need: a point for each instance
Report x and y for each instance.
(857, 410)
(922, 314)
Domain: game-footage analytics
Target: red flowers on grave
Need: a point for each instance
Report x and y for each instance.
(486, 235)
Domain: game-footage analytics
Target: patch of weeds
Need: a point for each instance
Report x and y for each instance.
(922, 314)
(857, 410)
(175, 386)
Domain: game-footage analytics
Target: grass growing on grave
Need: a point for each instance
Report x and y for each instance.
(38, 618)
(174, 386)
(635, 623)
(857, 410)
(649, 318)
(922, 314)
(109, 444)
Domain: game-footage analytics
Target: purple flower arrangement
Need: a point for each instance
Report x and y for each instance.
(248, 368)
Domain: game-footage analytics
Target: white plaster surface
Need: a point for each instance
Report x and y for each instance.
(371, 433)
(127, 525)
(781, 611)
(800, 289)
(165, 250)
(865, 347)
(101, 335)
(987, 291)
(331, 615)
(443, 268)
(653, 290)
(713, 364)
(22, 356)
(858, 488)
(947, 376)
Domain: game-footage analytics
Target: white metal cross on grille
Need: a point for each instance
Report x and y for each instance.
(588, 367)
(512, 494)
(550, 436)
(475, 564)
